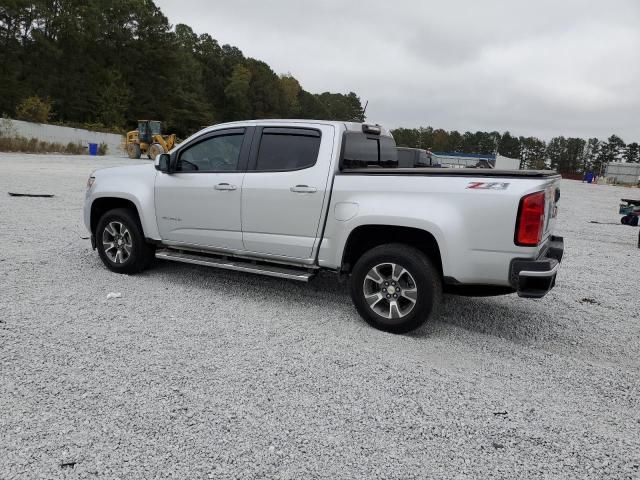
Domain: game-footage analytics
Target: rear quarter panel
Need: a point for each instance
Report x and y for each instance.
(474, 227)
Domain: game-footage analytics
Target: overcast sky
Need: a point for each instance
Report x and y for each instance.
(548, 67)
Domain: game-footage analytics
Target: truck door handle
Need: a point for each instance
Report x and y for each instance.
(225, 186)
(303, 189)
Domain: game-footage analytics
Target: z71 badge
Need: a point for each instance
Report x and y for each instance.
(488, 185)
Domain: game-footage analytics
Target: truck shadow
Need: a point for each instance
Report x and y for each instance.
(521, 322)
(509, 317)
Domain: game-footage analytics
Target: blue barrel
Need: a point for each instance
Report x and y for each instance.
(93, 149)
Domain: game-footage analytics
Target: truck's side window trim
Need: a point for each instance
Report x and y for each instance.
(275, 130)
(243, 158)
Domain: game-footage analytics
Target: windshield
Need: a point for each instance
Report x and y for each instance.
(154, 127)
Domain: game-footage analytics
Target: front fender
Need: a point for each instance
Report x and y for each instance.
(134, 184)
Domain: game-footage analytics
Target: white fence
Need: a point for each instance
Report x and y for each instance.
(627, 173)
(64, 135)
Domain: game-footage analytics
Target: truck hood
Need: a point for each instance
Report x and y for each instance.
(127, 171)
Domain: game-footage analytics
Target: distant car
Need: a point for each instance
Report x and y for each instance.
(413, 157)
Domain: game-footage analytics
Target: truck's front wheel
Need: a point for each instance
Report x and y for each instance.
(121, 243)
(395, 288)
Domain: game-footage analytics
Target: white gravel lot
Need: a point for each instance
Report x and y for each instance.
(200, 373)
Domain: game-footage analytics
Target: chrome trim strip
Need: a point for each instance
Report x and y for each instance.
(271, 271)
(545, 273)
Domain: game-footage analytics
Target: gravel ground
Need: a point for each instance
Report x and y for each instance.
(199, 373)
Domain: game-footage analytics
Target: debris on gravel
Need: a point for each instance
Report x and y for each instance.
(42, 195)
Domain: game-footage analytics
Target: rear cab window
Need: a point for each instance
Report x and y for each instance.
(363, 150)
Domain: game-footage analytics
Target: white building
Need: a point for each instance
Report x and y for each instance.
(625, 173)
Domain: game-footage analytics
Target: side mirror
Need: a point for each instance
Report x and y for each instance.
(163, 162)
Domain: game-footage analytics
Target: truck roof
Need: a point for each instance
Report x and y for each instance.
(349, 126)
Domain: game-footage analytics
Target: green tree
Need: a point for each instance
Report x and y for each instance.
(291, 92)
(112, 99)
(342, 107)
(469, 143)
(557, 153)
(237, 93)
(440, 140)
(632, 153)
(34, 109)
(265, 93)
(591, 153)
(574, 154)
(533, 153)
(616, 148)
(509, 146)
(311, 107)
(188, 109)
(455, 141)
(406, 137)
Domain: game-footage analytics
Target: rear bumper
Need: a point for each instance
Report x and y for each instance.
(534, 278)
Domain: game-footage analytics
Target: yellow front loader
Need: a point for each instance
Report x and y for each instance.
(148, 140)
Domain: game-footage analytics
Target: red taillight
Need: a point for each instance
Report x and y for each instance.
(530, 220)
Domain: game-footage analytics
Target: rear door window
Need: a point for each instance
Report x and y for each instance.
(286, 149)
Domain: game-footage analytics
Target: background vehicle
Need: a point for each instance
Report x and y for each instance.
(413, 157)
(148, 140)
(287, 198)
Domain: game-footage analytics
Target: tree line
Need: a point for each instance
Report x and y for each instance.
(564, 154)
(112, 62)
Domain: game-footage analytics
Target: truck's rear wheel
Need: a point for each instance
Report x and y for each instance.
(395, 288)
(120, 242)
(133, 150)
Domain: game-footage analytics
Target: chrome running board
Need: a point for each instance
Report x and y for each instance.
(238, 265)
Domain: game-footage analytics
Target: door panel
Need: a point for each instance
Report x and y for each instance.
(191, 210)
(281, 209)
(199, 203)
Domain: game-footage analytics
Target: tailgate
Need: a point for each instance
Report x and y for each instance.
(552, 196)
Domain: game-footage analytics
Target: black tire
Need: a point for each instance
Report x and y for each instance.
(133, 150)
(428, 288)
(154, 150)
(140, 255)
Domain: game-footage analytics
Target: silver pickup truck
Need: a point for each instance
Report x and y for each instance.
(288, 198)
